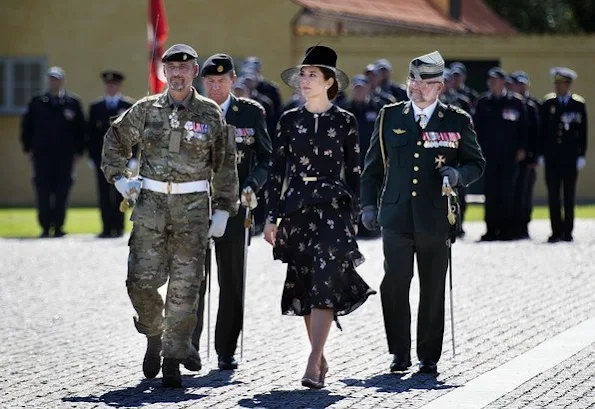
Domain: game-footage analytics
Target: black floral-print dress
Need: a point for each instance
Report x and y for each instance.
(318, 156)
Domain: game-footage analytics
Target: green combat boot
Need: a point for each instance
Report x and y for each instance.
(171, 373)
(152, 361)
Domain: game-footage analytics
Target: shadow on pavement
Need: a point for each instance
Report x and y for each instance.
(290, 399)
(396, 383)
(146, 392)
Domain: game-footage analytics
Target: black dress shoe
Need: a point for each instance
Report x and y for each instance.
(45, 234)
(428, 367)
(59, 233)
(400, 364)
(193, 363)
(104, 235)
(171, 373)
(566, 237)
(553, 238)
(118, 233)
(227, 363)
(489, 237)
(152, 361)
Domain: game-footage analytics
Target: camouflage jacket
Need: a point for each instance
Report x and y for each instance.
(197, 145)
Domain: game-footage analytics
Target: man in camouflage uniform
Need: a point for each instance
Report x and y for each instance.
(186, 147)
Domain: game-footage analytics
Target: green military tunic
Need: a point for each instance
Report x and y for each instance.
(413, 216)
(253, 145)
(169, 236)
(409, 192)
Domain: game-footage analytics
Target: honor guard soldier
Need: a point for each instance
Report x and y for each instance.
(502, 129)
(100, 113)
(253, 157)
(365, 107)
(385, 69)
(53, 137)
(523, 201)
(186, 148)
(459, 75)
(564, 146)
(415, 145)
(373, 74)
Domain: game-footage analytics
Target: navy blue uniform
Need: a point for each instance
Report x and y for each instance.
(53, 130)
(109, 197)
(563, 141)
(502, 130)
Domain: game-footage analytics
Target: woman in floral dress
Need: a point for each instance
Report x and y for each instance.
(317, 152)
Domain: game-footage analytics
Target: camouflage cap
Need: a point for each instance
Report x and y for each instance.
(179, 52)
(217, 64)
(426, 66)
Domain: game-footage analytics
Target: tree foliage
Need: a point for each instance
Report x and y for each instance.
(547, 16)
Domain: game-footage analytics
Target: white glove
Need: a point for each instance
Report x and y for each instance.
(580, 162)
(91, 164)
(248, 198)
(132, 164)
(128, 188)
(540, 161)
(218, 223)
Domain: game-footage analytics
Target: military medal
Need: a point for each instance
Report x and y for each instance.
(239, 139)
(439, 160)
(173, 118)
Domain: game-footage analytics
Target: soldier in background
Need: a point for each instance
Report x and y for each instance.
(187, 148)
(365, 108)
(53, 137)
(112, 104)
(373, 74)
(265, 87)
(459, 74)
(523, 201)
(253, 156)
(384, 69)
(564, 146)
(502, 128)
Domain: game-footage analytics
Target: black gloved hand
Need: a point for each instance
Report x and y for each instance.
(454, 177)
(370, 217)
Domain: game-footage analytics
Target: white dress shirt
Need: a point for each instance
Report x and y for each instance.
(225, 105)
(428, 111)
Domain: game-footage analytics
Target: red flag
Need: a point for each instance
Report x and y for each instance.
(157, 31)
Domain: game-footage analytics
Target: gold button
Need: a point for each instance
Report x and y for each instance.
(416, 168)
(415, 181)
(418, 143)
(414, 193)
(416, 155)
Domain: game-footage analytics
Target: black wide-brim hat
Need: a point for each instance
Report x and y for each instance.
(316, 56)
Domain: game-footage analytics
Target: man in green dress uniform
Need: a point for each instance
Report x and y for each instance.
(415, 145)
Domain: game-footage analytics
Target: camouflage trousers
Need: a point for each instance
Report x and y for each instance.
(155, 256)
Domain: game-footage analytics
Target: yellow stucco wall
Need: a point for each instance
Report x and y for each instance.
(85, 37)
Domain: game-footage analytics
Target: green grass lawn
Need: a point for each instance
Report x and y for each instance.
(23, 222)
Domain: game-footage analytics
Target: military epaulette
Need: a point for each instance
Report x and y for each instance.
(578, 98)
(458, 110)
(128, 99)
(248, 101)
(394, 104)
(517, 96)
(549, 96)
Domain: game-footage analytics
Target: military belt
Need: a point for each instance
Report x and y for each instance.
(171, 188)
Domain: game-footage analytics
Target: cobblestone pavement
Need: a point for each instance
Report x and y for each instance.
(69, 340)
